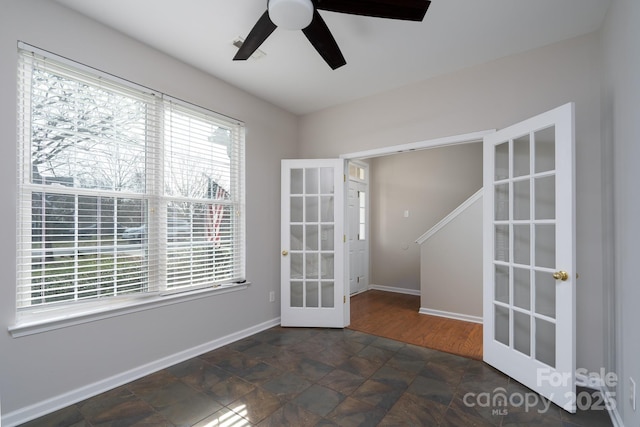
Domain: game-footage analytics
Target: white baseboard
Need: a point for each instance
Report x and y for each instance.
(598, 384)
(74, 396)
(432, 312)
(394, 289)
(450, 315)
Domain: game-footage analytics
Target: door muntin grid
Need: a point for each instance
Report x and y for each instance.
(524, 302)
(312, 238)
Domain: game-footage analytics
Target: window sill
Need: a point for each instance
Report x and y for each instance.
(43, 322)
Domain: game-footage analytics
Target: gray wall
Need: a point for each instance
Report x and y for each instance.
(621, 148)
(46, 365)
(495, 95)
(451, 266)
(429, 184)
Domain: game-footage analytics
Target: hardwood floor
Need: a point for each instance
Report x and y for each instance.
(393, 315)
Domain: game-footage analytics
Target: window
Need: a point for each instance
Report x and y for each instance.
(122, 191)
(358, 173)
(362, 216)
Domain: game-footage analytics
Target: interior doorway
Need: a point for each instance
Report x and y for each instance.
(371, 157)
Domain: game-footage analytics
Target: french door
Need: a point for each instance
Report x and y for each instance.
(529, 254)
(529, 251)
(313, 244)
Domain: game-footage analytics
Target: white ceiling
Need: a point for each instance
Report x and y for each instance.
(381, 54)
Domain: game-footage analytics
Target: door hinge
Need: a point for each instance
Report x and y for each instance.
(358, 279)
(344, 177)
(344, 238)
(344, 299)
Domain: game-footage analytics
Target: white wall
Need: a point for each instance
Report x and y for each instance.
(495, 95)
(46, 365)
(451, 267)
(621, 138)
(428, 184)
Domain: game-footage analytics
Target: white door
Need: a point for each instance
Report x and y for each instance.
(358, 231)
(312, 244)
(529, 254)
(357, 237)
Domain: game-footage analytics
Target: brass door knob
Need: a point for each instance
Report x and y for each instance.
(561, 275)
(285, 252)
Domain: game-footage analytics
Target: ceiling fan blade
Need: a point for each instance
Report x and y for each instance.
(259, 33)
(409, 10)
(320, 37)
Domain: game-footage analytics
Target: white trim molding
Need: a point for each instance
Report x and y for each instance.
(419, 145)
(450, 315)
(394, 289)
(90, 312)
(74, 396)
(450, 217)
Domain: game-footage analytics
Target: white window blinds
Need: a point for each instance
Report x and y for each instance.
(122, 191)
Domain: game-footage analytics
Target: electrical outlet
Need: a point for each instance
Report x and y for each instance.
(632, 393)
(272, 296)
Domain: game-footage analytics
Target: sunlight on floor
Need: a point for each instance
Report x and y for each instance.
(233, 418)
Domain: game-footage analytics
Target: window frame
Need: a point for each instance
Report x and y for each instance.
(38, 318)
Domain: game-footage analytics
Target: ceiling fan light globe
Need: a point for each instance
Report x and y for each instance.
(291, 14)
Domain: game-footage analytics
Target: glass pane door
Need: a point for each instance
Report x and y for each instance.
(312, 282)
(524, 256)
(529, 246)
(311, 237)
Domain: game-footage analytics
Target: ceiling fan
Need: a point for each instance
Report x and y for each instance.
(303, 15)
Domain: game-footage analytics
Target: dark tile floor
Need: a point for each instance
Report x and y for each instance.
(320, 377)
